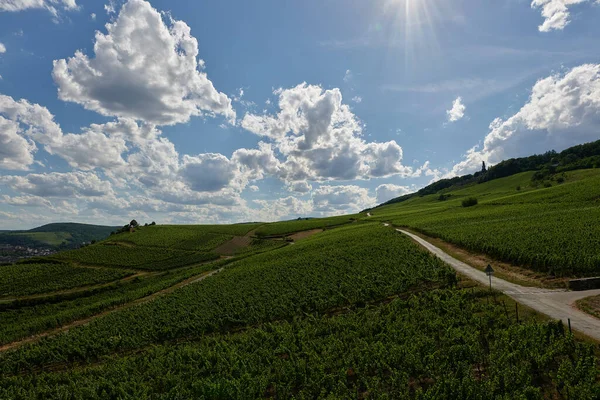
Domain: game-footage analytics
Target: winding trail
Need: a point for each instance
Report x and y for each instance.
(555, 303)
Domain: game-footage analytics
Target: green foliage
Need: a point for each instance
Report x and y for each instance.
(355, 312)
(551, 230)
(470, 202)
(185, 237)
(314, 275)
(441, 344)
(28, 317)
(28, 279)
(116, 255)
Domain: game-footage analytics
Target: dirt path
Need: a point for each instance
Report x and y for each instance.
(87, 320)
(555, 303)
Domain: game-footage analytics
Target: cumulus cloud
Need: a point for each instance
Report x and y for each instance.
(342, 198)
(321, 139)
(389, 191)
(288, 207)
(563, 110)
(457, 112)
(144, 69)
(556, 13)
(25, 123)
(299, 187)
(207, 172)
(56, 206)
(50, 5)
(2, 48)
(59, 184)
(16, 152)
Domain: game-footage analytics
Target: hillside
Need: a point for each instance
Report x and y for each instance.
(355, 311)
(546, 166)
(56, 235)
(546, 227)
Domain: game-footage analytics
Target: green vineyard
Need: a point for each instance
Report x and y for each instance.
(552, 230)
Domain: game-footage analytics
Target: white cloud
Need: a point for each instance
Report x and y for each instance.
(207, 172)
(348, 76)
(562, 111)
(341, 199)
(50, 5)
(93, 16)
(2, 48)
(56, 206)
(321, 139)
(389, 191)
(143, 69)
(299, 187)
(110, 8)
(357, 99)
(288, 207)
(32, 122)
(255, 164)
(556, 13)
(16, 152)
(457, 112)
(57, 184)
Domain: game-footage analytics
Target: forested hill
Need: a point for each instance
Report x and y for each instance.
(57, 235)
(582, 156)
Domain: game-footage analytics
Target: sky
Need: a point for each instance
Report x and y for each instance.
(234, 111)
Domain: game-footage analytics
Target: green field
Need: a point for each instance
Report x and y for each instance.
(138, 257)
(162, 247)
(548, 229)
(28, 279)
(174, 237)
(287, 227)
(355, 311)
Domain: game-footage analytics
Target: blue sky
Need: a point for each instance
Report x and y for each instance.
(229, 111)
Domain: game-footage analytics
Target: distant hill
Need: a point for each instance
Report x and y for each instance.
(583, 156)
(56, 236)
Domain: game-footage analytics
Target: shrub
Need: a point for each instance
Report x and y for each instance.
(560, 179)
(471, 201)
(547, 184)
(443, 197)
(519, 187)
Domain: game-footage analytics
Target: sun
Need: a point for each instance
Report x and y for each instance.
(414, 24)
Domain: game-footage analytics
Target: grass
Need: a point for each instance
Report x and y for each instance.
(590, 305)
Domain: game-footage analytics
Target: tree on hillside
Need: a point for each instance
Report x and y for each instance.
(133, 223)
(483, 168)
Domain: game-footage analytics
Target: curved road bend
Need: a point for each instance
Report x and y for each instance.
(555, 303)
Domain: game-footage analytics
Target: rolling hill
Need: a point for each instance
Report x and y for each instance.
(56, 235)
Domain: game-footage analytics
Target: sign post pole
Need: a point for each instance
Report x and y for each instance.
(489, 271)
